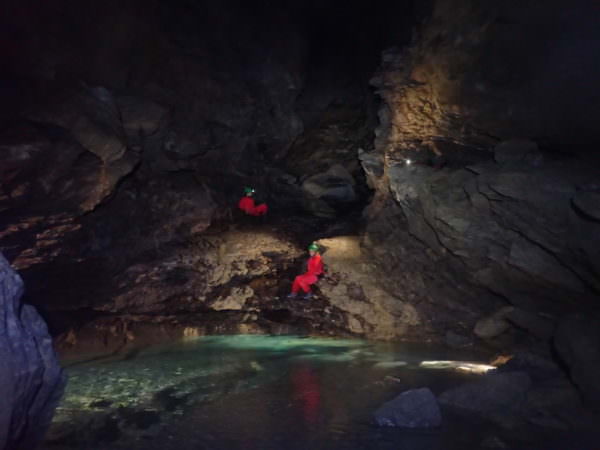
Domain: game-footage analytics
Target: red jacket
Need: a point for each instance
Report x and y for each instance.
(246, 204)
(315, 265)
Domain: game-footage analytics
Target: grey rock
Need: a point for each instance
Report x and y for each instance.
(31, 380)
(416, 408)
(577, 341)
(140, 115)
(515, 226)
(535, 260)
(494, 393)
(332, 188)
(588, 203)
(83, 152)
(538, 326)
(455, 340)
(372, 164)
(517, 151)
(538, 367)
(494, 325)
(493, 442)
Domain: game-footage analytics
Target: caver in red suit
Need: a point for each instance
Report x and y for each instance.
(247, 205)
(311, 276)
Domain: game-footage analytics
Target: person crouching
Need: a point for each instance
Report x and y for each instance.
(311, 276)
(247, 205)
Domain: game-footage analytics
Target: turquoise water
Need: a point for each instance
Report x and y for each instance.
(256, 392)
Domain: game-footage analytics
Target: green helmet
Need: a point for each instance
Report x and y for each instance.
(248, 190)
(314, 247)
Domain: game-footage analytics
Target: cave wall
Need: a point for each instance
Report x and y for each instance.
(476, 73)
(485, 166)
(128, 128)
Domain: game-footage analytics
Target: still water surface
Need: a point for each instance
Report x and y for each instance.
(256, 392)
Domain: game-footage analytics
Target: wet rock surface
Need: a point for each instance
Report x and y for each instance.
(577, 342)
(530, 391)
(31, 380)
(416, 408)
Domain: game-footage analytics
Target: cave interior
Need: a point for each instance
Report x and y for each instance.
(442, 153)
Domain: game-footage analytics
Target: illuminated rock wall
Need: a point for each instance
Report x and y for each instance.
(486, 178)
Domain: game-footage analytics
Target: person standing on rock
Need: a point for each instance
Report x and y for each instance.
(311, 276)
(247, 205)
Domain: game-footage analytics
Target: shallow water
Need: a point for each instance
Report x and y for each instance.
(256, 392)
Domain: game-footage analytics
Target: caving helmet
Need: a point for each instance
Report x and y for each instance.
(313, 247)
(248, 190)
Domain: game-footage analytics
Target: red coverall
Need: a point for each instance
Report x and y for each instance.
(246, 204)
(315, 268)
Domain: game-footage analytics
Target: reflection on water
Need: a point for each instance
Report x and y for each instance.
(254, 392)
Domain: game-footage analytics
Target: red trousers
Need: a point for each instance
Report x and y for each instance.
(258, 210)
(246, 204)
(303, 282)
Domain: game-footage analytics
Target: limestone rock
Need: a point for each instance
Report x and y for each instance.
(479, 214)
(352, 286)
(416, 408)
(372, 164)
(78, 150)
(517, 151)
(31, 380)
(234, 301)
(494, 393)
(541, 327)
(577, 341)
(588, 203)
(140, 115)
(335, 187)
(456, 340)
(494, 325)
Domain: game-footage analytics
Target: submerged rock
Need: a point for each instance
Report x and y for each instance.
(31, 381)
(416, 408)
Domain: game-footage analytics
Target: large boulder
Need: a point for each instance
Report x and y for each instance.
(416, 408)
(31, 380)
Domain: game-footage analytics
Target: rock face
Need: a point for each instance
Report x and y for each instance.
(577, 341)
(124, 136)
(469, 76)
(31, 381)
(416, 408)
(494, 394)
(530, 389)
(66, 157)
(510, 229)
(353, 286)
(472, 214)
(328, 190)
